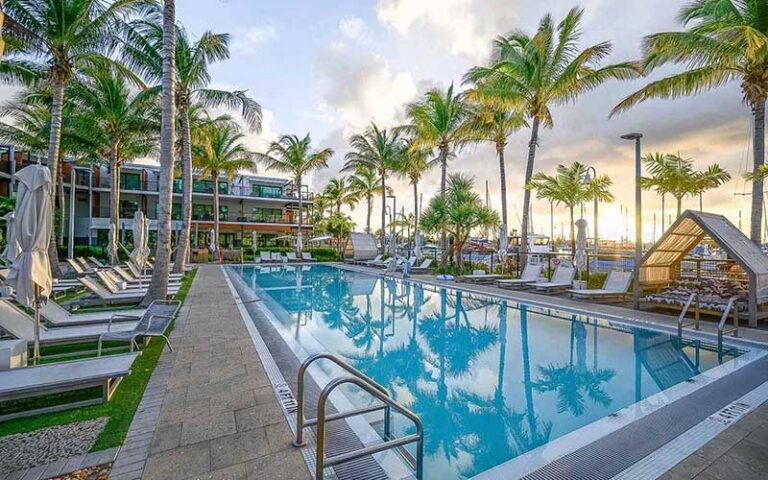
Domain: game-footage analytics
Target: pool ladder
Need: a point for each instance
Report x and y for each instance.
(722, 329)
(385, 403)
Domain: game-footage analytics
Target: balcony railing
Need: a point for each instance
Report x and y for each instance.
(127, 214)
(232, 189)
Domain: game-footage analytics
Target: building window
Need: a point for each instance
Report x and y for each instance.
(223, 212)
(267, 215)
(128, 208)
(176, 211)
(202, 186)
(223, 187)
(130, 181)
(265, 191)
(202, 212)
(177, 185)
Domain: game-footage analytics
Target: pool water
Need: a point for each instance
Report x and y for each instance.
(491, 379)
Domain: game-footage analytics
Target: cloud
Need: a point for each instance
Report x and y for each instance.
(353, 28)
(252, 39)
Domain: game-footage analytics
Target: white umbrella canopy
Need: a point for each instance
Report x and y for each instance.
(503, 243)
(139, 234)
(112, 239)
(581, 245)
(30, 273)
(11, 244)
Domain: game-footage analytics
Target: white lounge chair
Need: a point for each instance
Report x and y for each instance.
(615, 286)
(561, 280)
(57, 316)
(423, 267)
(531, 274)
(126, 276)
(132, 296)
(479, 276)
(307, 257)
(291, 257)
(371, 263)
(104, 372)
(115, 285)
(277, 257)
(21, 325)
(265, 257)
(77, 268)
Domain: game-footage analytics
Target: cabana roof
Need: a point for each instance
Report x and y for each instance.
(658, 264)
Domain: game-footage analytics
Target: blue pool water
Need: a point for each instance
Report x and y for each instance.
(490, 379)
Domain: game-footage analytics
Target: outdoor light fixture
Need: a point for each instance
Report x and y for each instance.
(638, 217)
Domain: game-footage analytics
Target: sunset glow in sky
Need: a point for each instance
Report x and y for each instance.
(330, 67)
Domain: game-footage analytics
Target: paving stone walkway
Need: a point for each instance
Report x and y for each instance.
(219, 417)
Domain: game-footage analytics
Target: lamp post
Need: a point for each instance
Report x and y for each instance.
(587, 180)
(638, 217)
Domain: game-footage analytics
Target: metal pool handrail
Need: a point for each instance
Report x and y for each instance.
(371, 387)
(722, 330)
(301, 423)
(321, 462)
(681, 323)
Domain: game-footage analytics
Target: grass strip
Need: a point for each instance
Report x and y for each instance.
(119, 410)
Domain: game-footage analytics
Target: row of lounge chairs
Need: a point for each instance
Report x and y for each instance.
(277, 257)
(400, 263)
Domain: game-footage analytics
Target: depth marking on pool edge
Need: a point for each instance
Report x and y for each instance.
(730, 413)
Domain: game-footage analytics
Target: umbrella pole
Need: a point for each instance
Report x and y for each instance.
(36, 351)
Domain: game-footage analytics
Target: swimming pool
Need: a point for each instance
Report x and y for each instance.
(491, 379)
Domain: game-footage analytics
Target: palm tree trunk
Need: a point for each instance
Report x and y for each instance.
(158, 287)
(527, 193)
(679, 207)
(182, 252)
(503, 180)
(758, 154)
(443, 186)
(301, 209)
(216, 220)
(415, 212)
(114, 204)
(573, 234)
(54, 145)
(368, 199)
(383, 212)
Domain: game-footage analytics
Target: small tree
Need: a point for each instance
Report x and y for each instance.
(340, 226)
(458, 211)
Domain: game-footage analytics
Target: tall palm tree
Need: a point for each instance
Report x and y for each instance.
(489, 123)
(337, 191)
(536, 72)
(364, 185)
(436, 123)
(459, 211)
(568, 188)
(725, 40)
(109, 113)
(221, 152)
(656, 162)
(380, 150)
(62, 35)
(295, 156)
(193, 60)
(414, 164)
(158, 286)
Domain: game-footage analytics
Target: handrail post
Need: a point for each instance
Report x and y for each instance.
(320, 450)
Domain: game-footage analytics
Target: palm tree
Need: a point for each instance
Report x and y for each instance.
(364, 184)
(295, 156)
(656, 162)
(415, 163)
(535, 72)
(110, 114)
(488, 123)
(568, 188)
(677, 176)
(380, 150)
(62, 35)
(193, 60)
(221, 152)
(337, 191)
(459, 211)
(725, 40)
(436, 123)
(158, 286)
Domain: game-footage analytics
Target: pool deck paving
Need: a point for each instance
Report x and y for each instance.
(219, 417)
(213, 414)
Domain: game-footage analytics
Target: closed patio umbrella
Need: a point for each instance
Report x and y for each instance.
(254, 241)
(503, 244)
(112, 239)
(418, 250)
(299, 243)
(11, 244)
(213, 246)
(581, 245)
(30, 273)
(137, 254)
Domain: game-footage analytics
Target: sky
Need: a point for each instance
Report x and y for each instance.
(329, 68)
